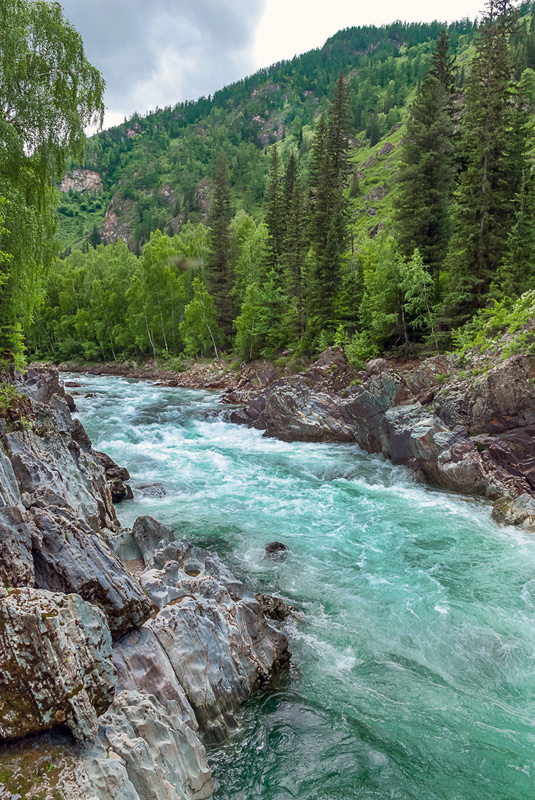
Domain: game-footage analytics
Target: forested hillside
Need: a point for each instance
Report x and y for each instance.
(157, 170)
(376, 193)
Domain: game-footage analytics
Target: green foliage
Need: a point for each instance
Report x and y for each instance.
(9, 397)
(425, 177)
(199, 330)
(493, 148)
(49, 93)
(507, 326)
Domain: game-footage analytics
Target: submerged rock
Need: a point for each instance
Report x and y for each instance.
(55, 652)
(275, 548)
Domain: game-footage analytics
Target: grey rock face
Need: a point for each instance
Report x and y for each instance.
(55, 657)
(148, 533)
(9, 488)
(69, 557)
(142, 665)
(54, 454)
(16, 562)
(144, 751)
(215, 634)
(383, 416)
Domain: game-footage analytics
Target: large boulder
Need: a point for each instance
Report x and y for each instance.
(55, 652)
(215, 633)
(293, 413)
(69, 557)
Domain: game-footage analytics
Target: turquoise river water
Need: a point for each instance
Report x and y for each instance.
(414, 662)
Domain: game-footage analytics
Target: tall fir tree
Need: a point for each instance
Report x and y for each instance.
(294, 258)
(426, 175)
(494, 156)
(275, 214)
(220, 269)
(328, 209)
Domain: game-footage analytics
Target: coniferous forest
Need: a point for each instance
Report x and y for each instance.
(376, 194)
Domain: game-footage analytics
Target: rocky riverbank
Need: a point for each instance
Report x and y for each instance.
(468, 428)
(122, 652)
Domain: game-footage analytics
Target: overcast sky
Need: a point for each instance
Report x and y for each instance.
(158, 52)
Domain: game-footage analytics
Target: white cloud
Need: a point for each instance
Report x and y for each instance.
(291, 27)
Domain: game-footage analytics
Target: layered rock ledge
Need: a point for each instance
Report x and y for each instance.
(115, 679)
(470, 435)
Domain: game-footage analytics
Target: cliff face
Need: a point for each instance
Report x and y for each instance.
(115, 680)
(474, 436)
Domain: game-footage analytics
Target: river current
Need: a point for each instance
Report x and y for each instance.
(413, 671)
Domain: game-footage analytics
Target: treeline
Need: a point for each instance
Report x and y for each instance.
(462, 235)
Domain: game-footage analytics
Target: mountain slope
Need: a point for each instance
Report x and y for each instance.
(155, 171)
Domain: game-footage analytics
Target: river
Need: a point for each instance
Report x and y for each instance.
(414, 662)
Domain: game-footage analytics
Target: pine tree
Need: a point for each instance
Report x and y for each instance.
(275, 215)
(289, 182)
(339, 131)
(220, 272)
(328, 209)
(425, 178)
(517, 273)
(294, 257)
(485, 208)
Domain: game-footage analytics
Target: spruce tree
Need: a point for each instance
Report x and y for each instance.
(494, 156)
(425, 178)
(328, 209)
(294, 258)
(220, 272)
(275, 215)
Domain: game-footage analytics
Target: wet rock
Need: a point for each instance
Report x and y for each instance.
(116, 478)
(151, 489)
(55, 652)
(519, 511)
(274, 607)
(294, 413)
(275, 548)
(69, 399)
(69, 557)
(144, 751)
(148, 533)
(214, 631)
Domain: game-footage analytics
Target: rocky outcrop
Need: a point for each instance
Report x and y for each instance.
(144, 750)
(50, 454)
(138, 668)
(214, 632)
(116, 478)
(148, 534)
(70, 558)
(55, 652)
(407, 417)
(81, 180)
